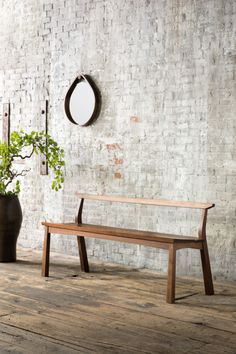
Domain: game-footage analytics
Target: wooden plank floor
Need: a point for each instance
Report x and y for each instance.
(113, 309)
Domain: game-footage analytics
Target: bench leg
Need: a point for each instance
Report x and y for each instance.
(170, 298)
(83, 254)
(206, 269)
(46, 253)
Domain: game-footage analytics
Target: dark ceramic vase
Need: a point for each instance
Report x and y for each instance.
(10, 224)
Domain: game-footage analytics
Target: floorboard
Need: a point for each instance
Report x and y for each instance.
(113, 309)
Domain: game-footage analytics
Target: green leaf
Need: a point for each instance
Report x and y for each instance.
(23, 146)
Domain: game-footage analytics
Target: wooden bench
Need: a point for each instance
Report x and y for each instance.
(170, 242)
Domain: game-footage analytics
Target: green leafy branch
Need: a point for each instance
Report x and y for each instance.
(22, 146)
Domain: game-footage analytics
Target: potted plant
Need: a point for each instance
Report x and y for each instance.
(22, 146)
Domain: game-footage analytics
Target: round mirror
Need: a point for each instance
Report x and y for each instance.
(82, 101)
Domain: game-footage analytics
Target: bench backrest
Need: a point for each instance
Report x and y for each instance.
(160, 202)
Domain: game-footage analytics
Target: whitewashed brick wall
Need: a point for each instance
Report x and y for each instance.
(166, 72)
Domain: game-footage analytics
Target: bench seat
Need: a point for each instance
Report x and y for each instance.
(121, 234)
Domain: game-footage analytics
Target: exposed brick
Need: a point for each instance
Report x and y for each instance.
(135, 119)
(112, 146)
(118, 175)
(119, 161)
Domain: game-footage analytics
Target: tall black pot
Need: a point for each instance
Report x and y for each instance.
(10, 224)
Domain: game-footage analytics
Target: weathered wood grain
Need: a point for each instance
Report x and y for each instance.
(116, 310)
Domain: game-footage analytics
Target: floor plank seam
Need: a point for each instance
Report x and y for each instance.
(52, 339)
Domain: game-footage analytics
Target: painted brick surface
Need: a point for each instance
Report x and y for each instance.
(166, 71)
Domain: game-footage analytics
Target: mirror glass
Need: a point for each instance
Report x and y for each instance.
(81, 102)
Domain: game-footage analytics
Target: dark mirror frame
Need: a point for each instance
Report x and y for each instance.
(97, 107)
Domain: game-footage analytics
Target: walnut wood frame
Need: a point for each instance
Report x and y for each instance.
(172, 243)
